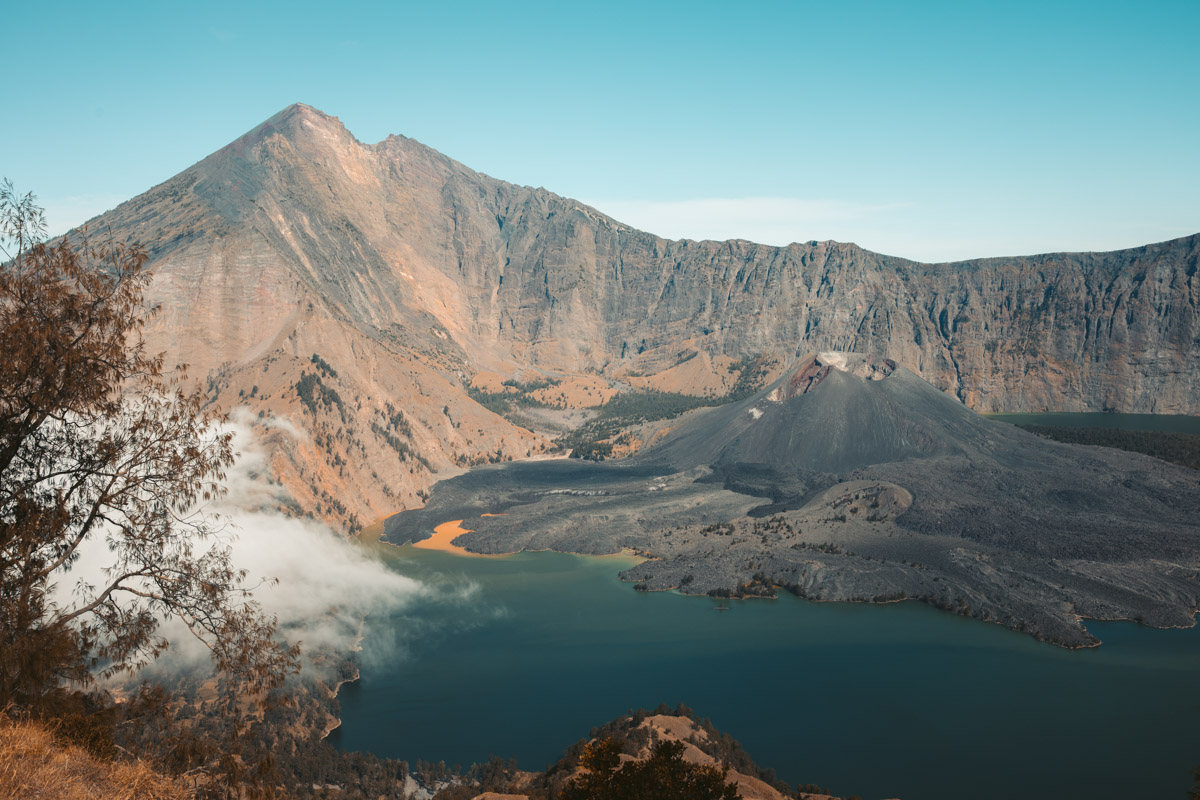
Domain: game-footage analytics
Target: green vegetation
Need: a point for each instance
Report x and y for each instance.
(395, 426)
(402, 449)
(686, 356)
(758, 586)
(397, 422)
(506, 403)
(665, 775)
(752, 371)
(593, 440)
(649, 404)
(1177, 448)
(495, 402)
(314, 394)
(532, 386)
(323, 365)
(510, 404)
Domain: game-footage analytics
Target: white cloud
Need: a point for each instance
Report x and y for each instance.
(244, 417)
(325, 584)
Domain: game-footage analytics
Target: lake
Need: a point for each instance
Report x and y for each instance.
(1166, 423)
(881, 701)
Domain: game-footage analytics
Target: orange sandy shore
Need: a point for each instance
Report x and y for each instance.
(442, 537)
(447, 532)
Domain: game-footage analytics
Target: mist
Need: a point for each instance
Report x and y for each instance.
(318, 585)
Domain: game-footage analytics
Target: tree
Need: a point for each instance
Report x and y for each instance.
(104, 452)
(662, 776)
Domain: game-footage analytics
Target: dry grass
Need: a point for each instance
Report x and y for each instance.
(34, 766)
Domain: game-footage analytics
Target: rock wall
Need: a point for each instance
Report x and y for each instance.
(411, 271)
(400, 240)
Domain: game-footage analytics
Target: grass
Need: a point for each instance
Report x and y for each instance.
(592, 441)
(36, 766)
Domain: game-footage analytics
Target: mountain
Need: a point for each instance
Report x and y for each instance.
(361, 290)
(835, 412)
(852, 479)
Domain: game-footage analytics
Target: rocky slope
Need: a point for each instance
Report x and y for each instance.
(702, 745)
(852, 479)
(408, 274)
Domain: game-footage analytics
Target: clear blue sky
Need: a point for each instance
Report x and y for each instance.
(933, 130)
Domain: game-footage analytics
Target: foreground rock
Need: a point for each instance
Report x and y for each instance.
(702, 745)
(853, 479)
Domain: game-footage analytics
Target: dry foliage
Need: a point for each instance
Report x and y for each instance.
(33, 765)
(104, 451)
(98, 442)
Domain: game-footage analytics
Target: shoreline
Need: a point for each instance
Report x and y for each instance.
(447, 531)
(336, 721)
(444, 536)
(355, 647)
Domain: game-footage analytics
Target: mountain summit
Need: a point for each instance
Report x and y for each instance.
(834, 412)
(413, 279)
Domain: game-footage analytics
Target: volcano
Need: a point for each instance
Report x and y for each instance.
(851, 478)
(834, 412)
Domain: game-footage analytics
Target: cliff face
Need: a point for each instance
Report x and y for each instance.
(407, 273)
(1111, 331)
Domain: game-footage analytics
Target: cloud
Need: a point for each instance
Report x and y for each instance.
(325, 585)
(243, 417)
(769, 220)
(319, 585)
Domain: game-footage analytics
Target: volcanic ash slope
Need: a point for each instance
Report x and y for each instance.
(850, 478)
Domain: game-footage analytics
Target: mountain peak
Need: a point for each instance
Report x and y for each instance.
(834, 412)
(304, 111)
(297, 121)
(816, 368)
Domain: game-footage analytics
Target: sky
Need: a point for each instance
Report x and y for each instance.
(931, 130)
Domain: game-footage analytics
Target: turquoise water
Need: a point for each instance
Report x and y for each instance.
(898, 700)
(1169, 423)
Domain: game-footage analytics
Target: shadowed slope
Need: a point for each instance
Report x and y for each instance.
(825, 418)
